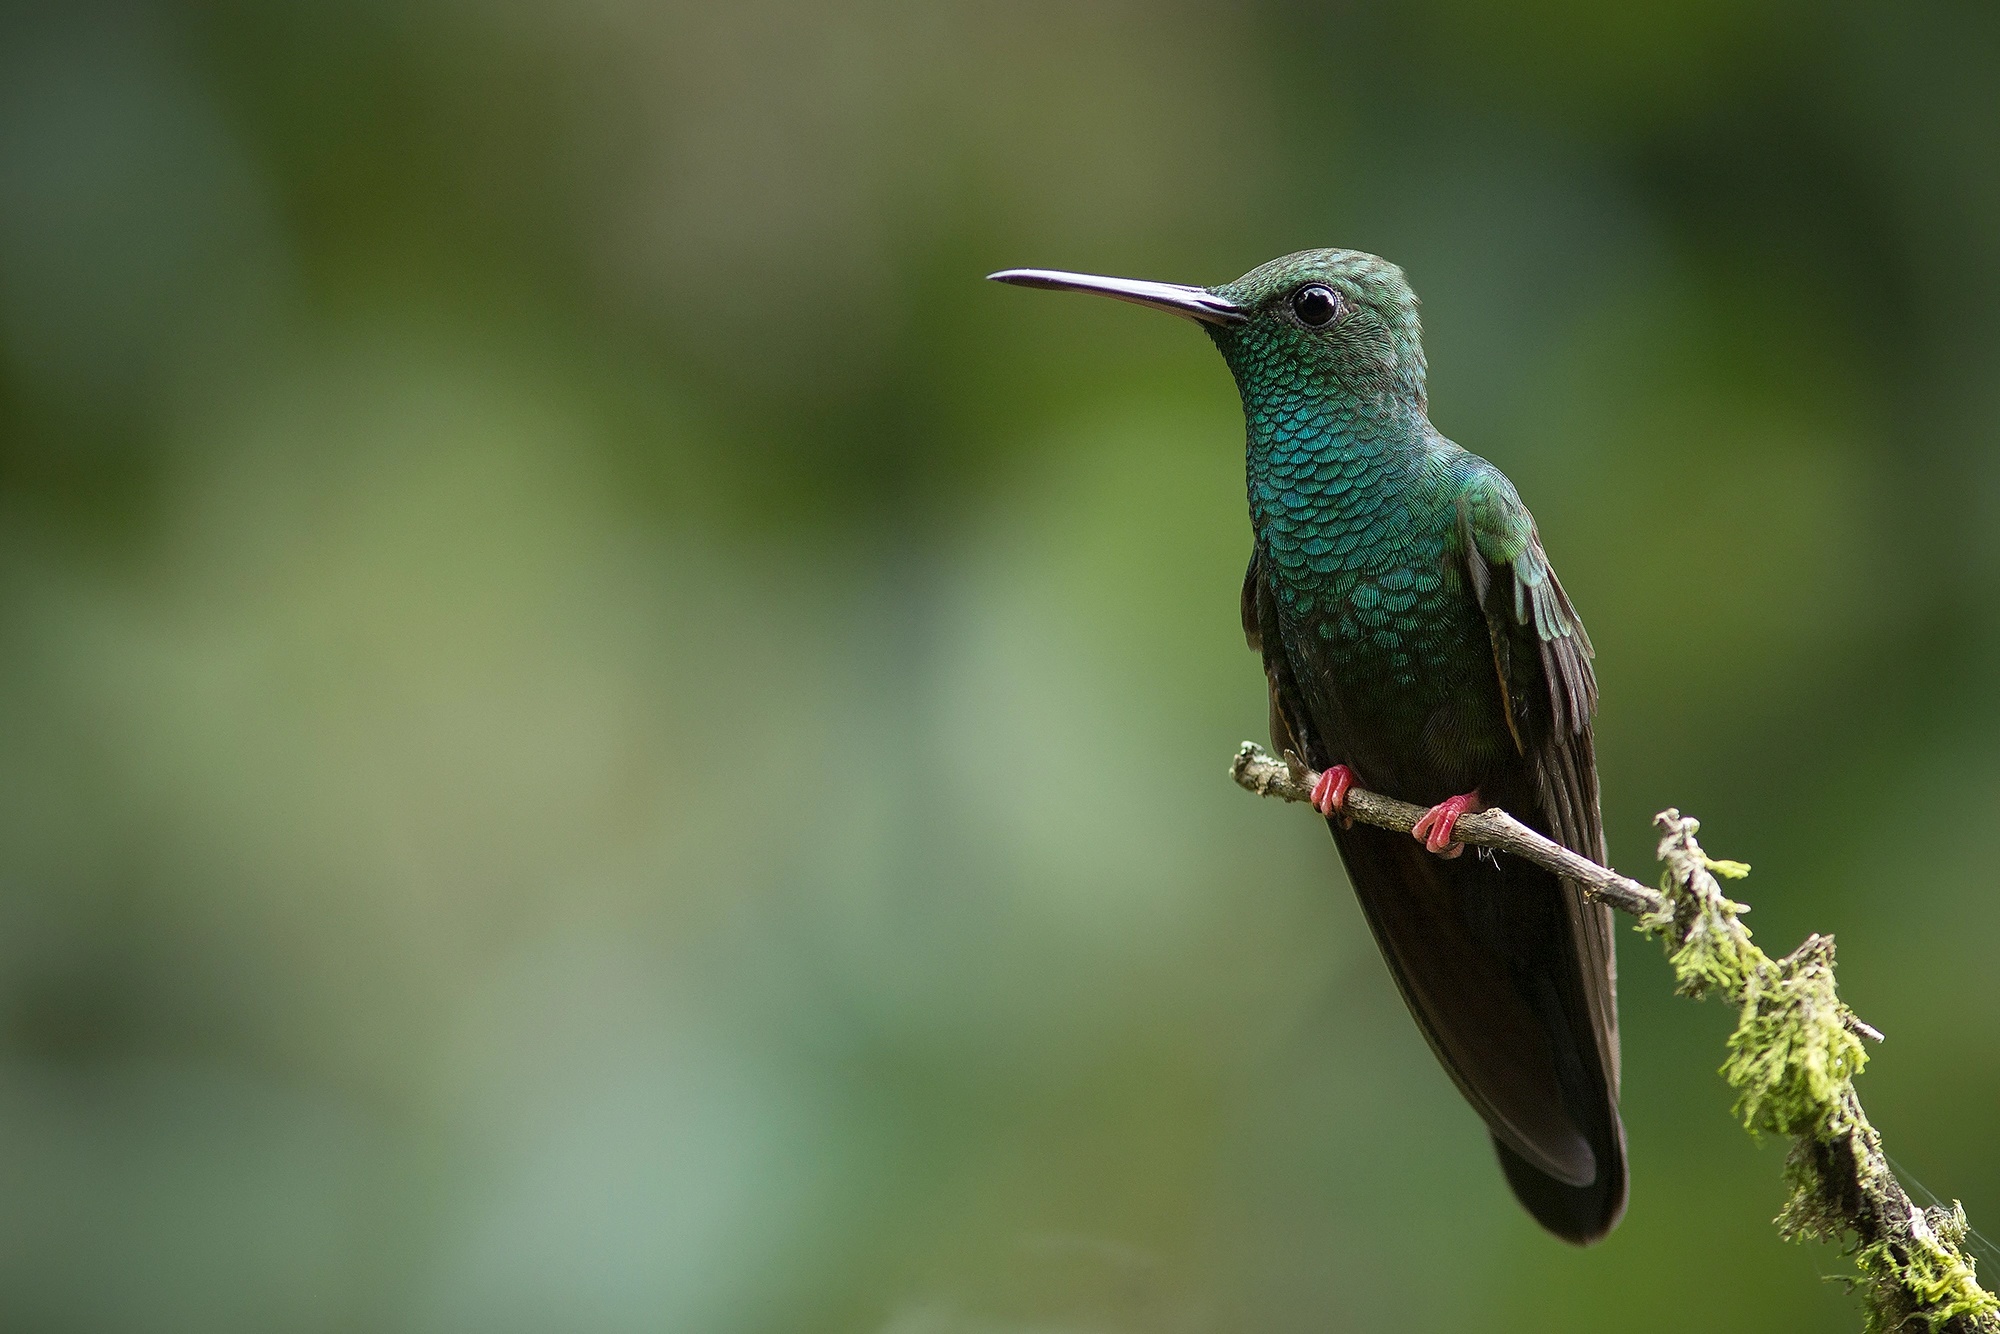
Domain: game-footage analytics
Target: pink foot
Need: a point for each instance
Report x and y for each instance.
(1435, 825)
(1329, 794)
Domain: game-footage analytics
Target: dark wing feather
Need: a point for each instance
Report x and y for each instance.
(1542, 658)
(1290, 731)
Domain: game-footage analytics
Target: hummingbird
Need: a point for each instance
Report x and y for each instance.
(1416, 642)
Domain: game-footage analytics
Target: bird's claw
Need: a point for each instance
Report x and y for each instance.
(1434, 826)
(1329, 794)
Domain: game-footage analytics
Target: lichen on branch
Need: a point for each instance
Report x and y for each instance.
(1792, 1059)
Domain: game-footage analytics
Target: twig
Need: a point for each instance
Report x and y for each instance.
(1496, 829)
(1792, 1058)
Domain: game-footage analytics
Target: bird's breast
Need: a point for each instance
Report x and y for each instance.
(1359, 562)
(1377, 617)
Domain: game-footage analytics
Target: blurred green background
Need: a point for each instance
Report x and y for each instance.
(597, 736)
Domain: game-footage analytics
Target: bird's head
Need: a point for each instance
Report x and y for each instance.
(1328, 320)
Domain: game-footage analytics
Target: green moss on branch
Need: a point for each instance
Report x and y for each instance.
(1792, 1061)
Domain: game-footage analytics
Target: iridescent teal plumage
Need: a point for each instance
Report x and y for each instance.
(1363, 512)
(1413, 630)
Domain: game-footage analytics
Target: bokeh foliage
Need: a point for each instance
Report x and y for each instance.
(548, 623)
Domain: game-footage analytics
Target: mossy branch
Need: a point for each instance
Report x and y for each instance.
(1792, 1059)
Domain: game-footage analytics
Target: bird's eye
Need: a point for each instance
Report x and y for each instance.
(1316, 305)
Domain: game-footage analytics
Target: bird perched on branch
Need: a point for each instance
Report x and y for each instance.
(1417, 643)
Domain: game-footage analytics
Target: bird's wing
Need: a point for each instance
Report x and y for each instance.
(1290, 731)
(1542, 658)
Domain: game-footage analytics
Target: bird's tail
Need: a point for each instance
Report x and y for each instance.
(1580, 1215)
(1486, 955)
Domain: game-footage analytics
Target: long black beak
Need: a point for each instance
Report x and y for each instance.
(1196, 303)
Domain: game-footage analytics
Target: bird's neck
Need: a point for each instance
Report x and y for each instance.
(1327, 474)
(1316, 454)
